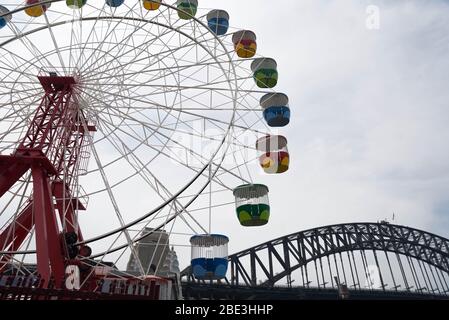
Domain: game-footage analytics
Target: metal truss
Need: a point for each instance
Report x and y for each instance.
(296, 250)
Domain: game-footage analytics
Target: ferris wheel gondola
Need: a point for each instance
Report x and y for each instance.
(151, 5)
(265, 72)
(276, 110)
(5, 16)
(218, 21)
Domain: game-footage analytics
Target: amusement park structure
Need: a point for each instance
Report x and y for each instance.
(152, 81)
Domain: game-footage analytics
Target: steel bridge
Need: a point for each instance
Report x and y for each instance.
(353, 260)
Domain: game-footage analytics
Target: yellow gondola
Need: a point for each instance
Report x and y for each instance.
(38, 10)
(152, 5)
(245, 43)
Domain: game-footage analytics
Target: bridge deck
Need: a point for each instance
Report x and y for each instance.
(227, 292)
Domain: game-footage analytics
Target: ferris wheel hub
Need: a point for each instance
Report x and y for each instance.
(54, 83)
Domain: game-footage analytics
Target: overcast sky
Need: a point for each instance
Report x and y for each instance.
(369, 134)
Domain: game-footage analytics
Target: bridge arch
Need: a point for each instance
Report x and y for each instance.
(266, 264)
(299, 249)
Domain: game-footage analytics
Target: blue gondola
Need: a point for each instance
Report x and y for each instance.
(276, 110)
(114, 3)
(209, 256)
(218, 21)
(4, 20)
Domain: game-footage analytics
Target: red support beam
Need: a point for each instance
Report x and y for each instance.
(50, 255)
(10, 172)
(51, 149)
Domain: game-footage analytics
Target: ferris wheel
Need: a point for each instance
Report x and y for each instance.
(123, 116)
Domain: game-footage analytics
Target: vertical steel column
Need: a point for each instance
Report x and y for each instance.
(439, 279)
(234, 273)
(270, 263)
(343, 268)
(317, 274)
(423, 275)
(322, 273)
(302, 276)
(338, 273)
(330, 271)
(252, 257)
(365, 268)
(355, 268)
(444, 279)
(427, 274)
(379, 270)
(404, 276)
(434, 279)
(414, 274)
(50, 257)
(391, 271)
(307, 276)
(352, 272)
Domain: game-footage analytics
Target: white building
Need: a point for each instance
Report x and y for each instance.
(152, 252)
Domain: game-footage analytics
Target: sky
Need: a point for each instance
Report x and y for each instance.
(369, 134)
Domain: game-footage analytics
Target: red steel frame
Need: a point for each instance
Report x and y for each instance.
(51, 150)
